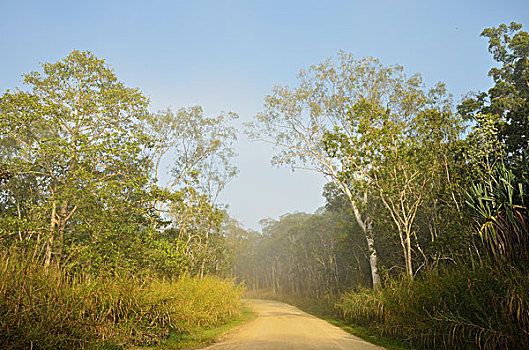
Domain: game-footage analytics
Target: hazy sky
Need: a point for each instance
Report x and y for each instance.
(227, 55)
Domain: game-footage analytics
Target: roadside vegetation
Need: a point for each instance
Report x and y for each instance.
(110, 230)
(425, 235)
(55, 309)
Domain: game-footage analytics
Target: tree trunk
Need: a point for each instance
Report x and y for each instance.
(365, 225)
(53, 229)
(202, 265)
(405, 242)
(58, 222)
(409, 266)
(375, 278)
(49, 250)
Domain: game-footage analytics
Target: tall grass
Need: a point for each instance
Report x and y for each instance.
(455, 308)
(52, 309)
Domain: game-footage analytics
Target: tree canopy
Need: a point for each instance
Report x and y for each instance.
(508, 99)
(80, 165)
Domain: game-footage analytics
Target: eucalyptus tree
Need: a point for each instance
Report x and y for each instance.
(197, 150)
(393, 149)
(78, 134)
(297, 121)
(198, 147)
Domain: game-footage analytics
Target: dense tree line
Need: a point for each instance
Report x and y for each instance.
(83, 178)
(305, 254)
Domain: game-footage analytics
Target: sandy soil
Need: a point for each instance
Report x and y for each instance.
(282, 326)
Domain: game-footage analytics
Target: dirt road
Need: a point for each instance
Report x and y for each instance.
(281, 326)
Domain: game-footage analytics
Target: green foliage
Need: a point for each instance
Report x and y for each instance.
(77, 151)
(385, 141)
(402, 156)
(479, 304)
(455, 307)
(501, 209)
(83, 155)
(508, 99)
(200, 150)
(56, 310)
(483, 148)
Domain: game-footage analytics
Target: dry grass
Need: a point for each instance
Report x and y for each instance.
(52, 309)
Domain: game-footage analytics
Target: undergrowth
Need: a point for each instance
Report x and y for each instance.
(55, 310)
(454, 308)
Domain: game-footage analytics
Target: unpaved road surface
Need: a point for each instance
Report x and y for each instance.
(281, 326)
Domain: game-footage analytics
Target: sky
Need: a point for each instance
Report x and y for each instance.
(228, 55)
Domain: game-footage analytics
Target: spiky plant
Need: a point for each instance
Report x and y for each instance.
(500, 207)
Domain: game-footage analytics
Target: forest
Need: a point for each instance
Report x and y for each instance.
(423, 237)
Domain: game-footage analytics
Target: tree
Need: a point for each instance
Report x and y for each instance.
(77, 134)
(199, 149)
(297, 121)
(508, 99)
(393, 149)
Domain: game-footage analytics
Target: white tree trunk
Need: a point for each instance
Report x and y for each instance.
(373, 262)
(365, 225)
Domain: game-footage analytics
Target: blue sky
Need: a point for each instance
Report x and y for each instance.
(227, 55)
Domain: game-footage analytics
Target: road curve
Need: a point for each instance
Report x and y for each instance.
(282, 326)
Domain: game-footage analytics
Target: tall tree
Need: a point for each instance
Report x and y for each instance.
(199, 151)
(393, 150)
(297, 121)
(199, 148)
(78, 134)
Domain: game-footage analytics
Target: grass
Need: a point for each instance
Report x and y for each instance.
(454, 308)
(368, 335)
(55, 310)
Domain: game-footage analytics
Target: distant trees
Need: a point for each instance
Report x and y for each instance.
(308, 254)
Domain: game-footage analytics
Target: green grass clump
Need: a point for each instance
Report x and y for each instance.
(458, 307)
(52, 309)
